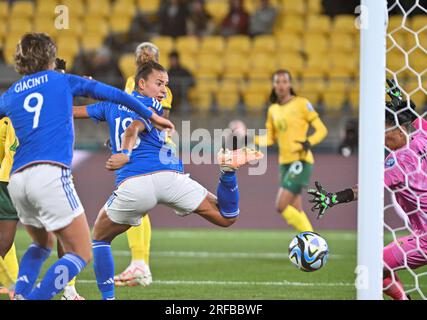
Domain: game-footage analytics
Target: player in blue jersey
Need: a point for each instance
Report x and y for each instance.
(41, 186)
(148, 173)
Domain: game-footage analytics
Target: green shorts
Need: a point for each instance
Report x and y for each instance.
(7, 210)
(295, 176)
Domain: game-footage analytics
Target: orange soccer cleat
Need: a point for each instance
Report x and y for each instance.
(231, 160)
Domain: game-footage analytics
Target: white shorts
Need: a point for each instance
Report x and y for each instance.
(137, 195)
(44, 196)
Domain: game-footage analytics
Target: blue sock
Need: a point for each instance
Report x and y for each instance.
(228, 195)
(29, 268)
(57, 277)
(103, 263)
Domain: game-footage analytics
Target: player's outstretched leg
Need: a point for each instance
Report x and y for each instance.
(104, 232)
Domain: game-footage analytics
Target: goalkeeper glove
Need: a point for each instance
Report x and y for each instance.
(322, 199)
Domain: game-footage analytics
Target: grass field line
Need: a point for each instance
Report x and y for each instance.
(283, 283)
(208, 254)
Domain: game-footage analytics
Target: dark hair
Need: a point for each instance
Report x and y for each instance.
(174, 54)
(273, 96)
(35, 52)
(146, 69)
(398, 117)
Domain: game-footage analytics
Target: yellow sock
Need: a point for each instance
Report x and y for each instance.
(297, 219)
(11, 263)
(139, 239)
(5, 277)
(72, 282)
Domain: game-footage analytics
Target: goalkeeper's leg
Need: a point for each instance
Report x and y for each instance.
(138, 272)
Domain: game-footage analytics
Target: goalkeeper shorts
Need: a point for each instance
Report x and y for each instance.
(295, 176)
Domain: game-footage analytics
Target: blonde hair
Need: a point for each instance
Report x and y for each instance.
(146, 52)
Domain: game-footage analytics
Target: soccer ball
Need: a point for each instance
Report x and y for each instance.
(308, 251)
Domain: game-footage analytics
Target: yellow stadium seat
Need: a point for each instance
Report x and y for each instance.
(353, 97)
(4, 10)
(344, 24)
(189, 61)
(255, 102)
(238, 44)
(395, 22)
(313, 82)
(19, 25)
(22, 9)
(318, 63)
(124, 8)
(127, 65)
(294, 7)
(422, 39)
(258, 84)
(340, 61)
(187, 44)
(315, 44)
(164, 43)
(98, 8)
(289, 42)
(91, 42)
(46, 8)
(290, 61)
(230, 84)
(341, 42)
(212, 44)
(418, 22)
(227, 101)
(333, 100)
(235, 62)
(289, 24)
(396, 39)
(410, 41)
(210, 63)
(262, 62)
(201, 102)
(313, 97)
(264, 44)
(217, 9)
(10, 44)
(206, 82)
(417, 60)
(68, 45)
(338, 83)
(45, 24)
(95, 26)
(415, 92)
(318, 24)
(314, 6)
(3, 29)
(76, 8)
(151, 6)
(395, 60)
(120, 24)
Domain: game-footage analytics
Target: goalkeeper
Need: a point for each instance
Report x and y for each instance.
(406, 165)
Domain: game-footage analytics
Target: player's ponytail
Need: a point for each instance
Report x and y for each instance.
(34, 53)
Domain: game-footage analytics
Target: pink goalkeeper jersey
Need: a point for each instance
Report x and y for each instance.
(410, 163)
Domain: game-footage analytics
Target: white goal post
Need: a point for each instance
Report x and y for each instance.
(370, 234)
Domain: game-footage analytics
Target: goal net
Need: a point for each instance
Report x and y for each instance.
(405, 198)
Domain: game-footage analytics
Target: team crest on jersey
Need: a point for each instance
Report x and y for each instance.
(390, 162)
(310, 106)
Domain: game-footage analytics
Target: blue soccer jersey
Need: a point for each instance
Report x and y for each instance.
(151, 152)
(40, 108)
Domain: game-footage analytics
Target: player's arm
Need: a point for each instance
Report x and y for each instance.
(97, 90)
(80, 112)
(324, 200)
(270, 138)
(130, 136)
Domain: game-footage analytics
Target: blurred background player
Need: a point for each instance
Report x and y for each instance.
(8, 215)
(405, 165)
(139, 238)
(289, 118)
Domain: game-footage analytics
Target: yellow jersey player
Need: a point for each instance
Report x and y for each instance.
(288, 119)
(8, 215)
(139, 238)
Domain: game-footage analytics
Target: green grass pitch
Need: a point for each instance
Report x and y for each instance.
(210, 264)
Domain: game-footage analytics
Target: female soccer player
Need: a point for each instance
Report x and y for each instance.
(288, 119)
(406, 166)
(41, 187)
(139, 238)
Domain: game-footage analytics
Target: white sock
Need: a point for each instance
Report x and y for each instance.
(70, 290)
(138, 262)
